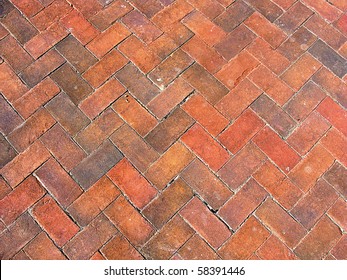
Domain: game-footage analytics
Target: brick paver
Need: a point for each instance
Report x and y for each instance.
(173, 129)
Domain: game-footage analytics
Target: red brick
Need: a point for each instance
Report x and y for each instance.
(234, 103)
(139, 54)
(273, 86)
(341, 4)
(119, 248)
(267, 8)
(341, 24)
(235, 41)
(86, 207)
(179, 33)
(204, 28)
(196, 249)
(241, 131)
(47, 213)
(9, 119)
(10, 85)
(98, 101)
(168, 240)
(42, 248)
(170, 68)
(38, 70)
(87, 7)
(274, 249)
(176, 92)
(110, 14)
(205, 223)
(278, 150)
(141, 26)
(14, 54)
(241, 166)
(22, 137)
(205, 83)
(306, 173)
(314, 204)
(210, 8)
(90, 239)
(280, 223)
(339, 251)
(134, 114)
(169, 130)
(137, 151)
(163, 46)
(137, 83)
(171, 163)
(319, 241)
(205, 114)
(4, 188)
(265, 29)
(334, 114)
(36, 97)
(337, 213)
(309, 132)
(245, 241)
(58, 182)
(237, 69)
(285, 4)
(28, 7)
(336, 177)
(25, 163)
(336, 143)
(275, 182)
(108, 39)
(201, 143)
(272, 59)
(130, 222)
(298, 74)
(79, 27)
(20, 199)
(242, 204)
(325, 9)
(303, 103)
(132, 183)
(101, 71)
(206, 184)
(203, 54)
(7, 152)
(98, 131)
(51, 14)
(162, 208)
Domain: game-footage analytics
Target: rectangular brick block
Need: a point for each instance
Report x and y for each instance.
(336, 177)
(335, 143)
(132, 183)
(241, 166)
(55, 179)
(29, 8)
(97, 164)
(47, 213)
(267, 8)
(210, 8)
(130, 222)
(25, 163)
(162, 208)
(337, 213)
(86, 207)
(137, 151)
(163, 46)
(172, 162)
(325, 9)
(274, 249)
(245, 241)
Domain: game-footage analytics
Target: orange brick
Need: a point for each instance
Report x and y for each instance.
(206, 184)
(28, 7)
(245, 241)
(205, 223)
(179, 33)
(306, 173)
(134, 114)
(242, 204)
(319, 241)
(163, 46)
(86, 207)
(241, 131)
(47, 213)
(337, 213)
(280, 223)
(139, 54)
(277, 149)
(108, 39)
(20, 199)
(172, 162)
(336, 144)
(25, 163)
(101, 71)
(210, 8)
(325, 9)
(274, 249)
(130, 222)
(132, 183)
(205, 114)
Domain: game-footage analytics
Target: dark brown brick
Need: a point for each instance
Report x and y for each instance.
(9, 119)
(7, 152)
(266, 7)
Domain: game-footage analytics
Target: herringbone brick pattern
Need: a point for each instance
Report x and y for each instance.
(173, 129)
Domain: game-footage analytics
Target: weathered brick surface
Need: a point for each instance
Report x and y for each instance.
(173, 129)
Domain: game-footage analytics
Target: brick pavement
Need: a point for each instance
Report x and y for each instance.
(163, 129)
